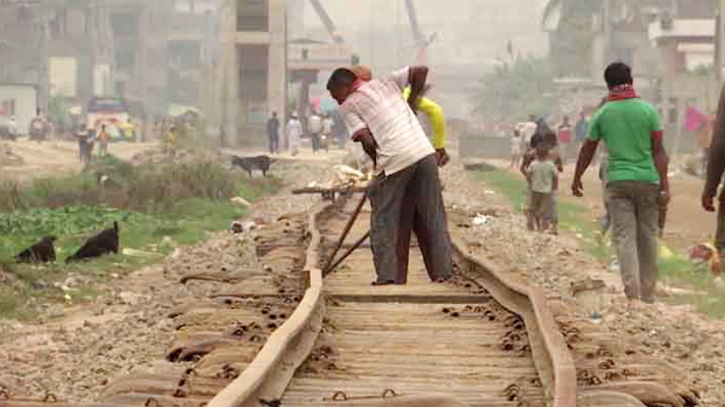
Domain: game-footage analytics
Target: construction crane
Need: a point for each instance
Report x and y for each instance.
(327, 21)
(421, 41)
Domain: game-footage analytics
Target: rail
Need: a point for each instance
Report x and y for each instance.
(271, 371)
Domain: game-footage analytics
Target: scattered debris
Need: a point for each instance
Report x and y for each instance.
(588, 284)
(480, 220)
(241, 201)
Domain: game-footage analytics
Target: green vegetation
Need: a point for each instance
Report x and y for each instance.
(517, 89)
(575, 218)
(157, 208)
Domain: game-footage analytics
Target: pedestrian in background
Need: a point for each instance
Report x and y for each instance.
(543, 179)
(273, 133)
(314, 128)
(547, 140)
(327, 126)
(103, 139)
(515, 149)
(294, 134)
(714, 174)
(565, 138)
(637, 187)
(171, 141)
(580, 130)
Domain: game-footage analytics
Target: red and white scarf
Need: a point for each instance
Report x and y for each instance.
(622, 92)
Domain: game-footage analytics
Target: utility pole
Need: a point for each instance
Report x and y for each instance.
(44, 79)
(720, 42)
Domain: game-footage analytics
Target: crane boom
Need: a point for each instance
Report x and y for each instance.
(413, 17)
(327, 21)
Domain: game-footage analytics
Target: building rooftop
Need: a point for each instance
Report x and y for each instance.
(687, 30)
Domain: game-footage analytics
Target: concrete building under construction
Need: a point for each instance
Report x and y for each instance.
(253, 65)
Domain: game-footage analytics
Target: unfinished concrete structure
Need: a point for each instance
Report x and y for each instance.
(253, 67)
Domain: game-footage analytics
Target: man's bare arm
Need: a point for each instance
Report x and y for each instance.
(586, 155)
(365, 137)
(662, 162)
(418, 77)
(716, 160)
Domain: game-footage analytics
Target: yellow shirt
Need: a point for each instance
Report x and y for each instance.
(171, 138)
(436, 117)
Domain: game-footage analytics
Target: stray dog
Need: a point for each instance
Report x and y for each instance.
(250, 164)
(105, 242)
(41, 252)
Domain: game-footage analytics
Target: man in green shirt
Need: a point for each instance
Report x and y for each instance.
(637, 184)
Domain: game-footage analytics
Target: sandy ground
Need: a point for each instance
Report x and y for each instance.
(52, 158)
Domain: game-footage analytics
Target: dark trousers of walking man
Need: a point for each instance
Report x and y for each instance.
(315, 142)
(274, 143)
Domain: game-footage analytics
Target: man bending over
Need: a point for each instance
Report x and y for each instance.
(378, 116)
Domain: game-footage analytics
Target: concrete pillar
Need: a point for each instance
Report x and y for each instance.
(277, 76)
(229, 95)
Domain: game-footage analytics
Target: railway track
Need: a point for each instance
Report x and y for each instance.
(305, 340)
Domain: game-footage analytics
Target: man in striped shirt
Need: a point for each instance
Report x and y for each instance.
(378, 116)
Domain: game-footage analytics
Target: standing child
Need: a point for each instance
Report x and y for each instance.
(516, 145)
(103, 139)
(543, 179)
(546, 140)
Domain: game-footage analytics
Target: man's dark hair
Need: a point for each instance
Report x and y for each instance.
(341, 77)
(618, 74)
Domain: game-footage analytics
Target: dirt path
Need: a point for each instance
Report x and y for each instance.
(52, 158)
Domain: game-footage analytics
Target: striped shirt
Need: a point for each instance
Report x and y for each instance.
(379, 105)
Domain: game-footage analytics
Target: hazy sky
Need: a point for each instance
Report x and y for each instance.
(470, 32)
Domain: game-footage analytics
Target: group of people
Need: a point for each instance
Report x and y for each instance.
(39, 129)
(633, 173)
(320, 129)
(87, 138)
(569, 138)
(381, 115)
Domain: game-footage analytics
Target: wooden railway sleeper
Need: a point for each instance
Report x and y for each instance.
(340, 396)
(184, 387)
(48, 398)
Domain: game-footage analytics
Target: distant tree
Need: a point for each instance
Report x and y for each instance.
(514, 90)
(570, 41)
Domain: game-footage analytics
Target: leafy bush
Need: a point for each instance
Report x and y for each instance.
(158, 188)
(66, 221)
(146, 188)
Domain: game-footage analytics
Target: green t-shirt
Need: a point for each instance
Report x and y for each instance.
(626, 127)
